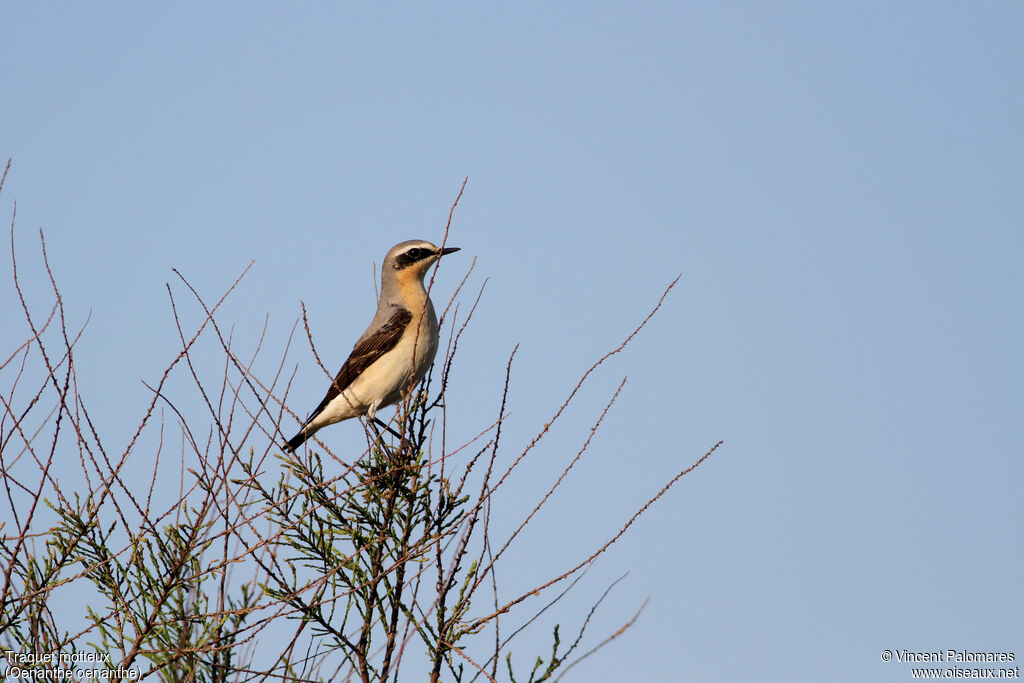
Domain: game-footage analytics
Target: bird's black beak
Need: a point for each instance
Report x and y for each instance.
(449, 250)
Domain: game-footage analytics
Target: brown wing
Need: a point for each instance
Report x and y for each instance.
(366, 351)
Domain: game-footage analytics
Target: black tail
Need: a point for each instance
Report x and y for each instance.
(296, 441)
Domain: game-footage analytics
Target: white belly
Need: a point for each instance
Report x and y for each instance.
(388, 379)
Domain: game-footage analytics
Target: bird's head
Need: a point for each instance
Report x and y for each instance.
(409, 261)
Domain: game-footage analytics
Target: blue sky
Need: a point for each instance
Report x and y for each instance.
(839, 184)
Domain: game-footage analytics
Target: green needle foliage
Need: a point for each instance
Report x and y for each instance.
(353, 550)
(236, 563)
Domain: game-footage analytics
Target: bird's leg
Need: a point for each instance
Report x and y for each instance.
(372, 421)
(372, 424)
(378, 422)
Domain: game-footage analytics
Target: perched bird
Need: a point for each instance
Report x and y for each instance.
(395, 351)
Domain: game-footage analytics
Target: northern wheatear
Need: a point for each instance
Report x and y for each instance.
(397, 348)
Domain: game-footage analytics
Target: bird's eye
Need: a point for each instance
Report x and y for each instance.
(413, 253)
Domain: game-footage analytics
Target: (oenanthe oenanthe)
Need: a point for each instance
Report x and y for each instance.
(397, 348)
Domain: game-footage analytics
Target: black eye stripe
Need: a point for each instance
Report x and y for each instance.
(411, 256)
